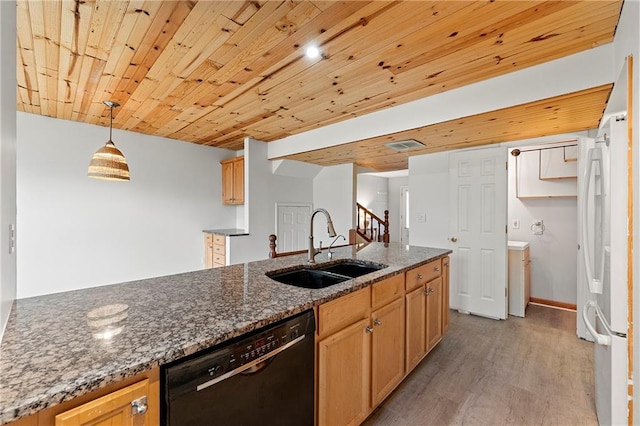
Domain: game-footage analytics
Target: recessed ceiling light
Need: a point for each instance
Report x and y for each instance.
(312, 52)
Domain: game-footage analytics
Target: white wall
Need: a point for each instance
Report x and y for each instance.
(263, 190)
(395, 222)
(77, 232)
(7, 157)
(427, 200)
(373, 193)
(553, 254)
(334, 189)
(627, 42)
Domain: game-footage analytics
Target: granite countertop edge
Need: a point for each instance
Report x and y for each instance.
(229, 232)
(113, 372)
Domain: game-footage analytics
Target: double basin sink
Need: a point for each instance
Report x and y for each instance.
(325, 275)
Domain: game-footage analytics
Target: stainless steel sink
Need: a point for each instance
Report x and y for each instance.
(325, 275)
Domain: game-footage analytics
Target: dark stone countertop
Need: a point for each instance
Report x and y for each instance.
(230, 232)
(51, 352)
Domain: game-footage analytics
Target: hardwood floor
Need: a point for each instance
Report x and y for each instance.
(523, 371)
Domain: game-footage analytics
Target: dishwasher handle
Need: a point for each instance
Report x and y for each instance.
(249, 365)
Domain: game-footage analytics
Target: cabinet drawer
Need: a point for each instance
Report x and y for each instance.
(423, 274)
(208, 239)
(219, 260)
(387, 291)
(218, 249)
(339, 313)
(219, 239)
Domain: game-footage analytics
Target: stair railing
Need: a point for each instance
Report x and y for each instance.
(371, 227)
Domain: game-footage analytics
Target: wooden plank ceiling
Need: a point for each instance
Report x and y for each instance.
(213, 72)
(563, 114)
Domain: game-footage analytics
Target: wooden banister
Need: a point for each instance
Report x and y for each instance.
(272, 248)
(371, 227)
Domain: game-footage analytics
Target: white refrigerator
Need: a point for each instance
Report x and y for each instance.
(604, 250)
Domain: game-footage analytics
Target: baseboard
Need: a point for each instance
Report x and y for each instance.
(553, 303)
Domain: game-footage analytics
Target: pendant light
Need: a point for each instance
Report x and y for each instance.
(108, 163)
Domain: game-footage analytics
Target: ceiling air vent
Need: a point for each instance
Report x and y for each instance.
(405, 145)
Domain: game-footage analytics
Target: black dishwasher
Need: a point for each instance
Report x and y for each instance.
(262, 378)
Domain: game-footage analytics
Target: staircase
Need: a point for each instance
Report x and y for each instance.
(370, 227)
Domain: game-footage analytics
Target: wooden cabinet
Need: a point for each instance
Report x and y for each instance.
(360, 351)
(343, 359)
(519, 278)
(233, 181)
(416, 334)
(424, 311)
(127, 406)
(387, 350)
(445, 294)
(134, 401)
(215, 250)
(433, 295)
(343, 376)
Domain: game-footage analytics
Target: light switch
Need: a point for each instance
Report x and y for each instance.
(422, 217)
(12, 238)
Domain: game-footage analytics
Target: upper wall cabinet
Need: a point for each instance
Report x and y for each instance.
(547, 172)
(233, 181)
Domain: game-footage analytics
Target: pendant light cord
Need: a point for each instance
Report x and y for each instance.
(111, 123)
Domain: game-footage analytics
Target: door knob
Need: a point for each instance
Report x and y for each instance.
(454, 239)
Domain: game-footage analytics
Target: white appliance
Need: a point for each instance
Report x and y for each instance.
(604, 253)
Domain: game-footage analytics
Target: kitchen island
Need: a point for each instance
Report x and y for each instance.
(58, 347)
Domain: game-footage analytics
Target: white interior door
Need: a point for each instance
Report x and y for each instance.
(404, 215)
(477, 226)
(292, 227)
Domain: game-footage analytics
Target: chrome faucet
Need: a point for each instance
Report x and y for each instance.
(329, 252)
(332, 233)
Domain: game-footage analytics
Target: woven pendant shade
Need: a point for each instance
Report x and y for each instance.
(108, 162)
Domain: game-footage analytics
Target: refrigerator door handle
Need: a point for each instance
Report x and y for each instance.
(601, 339)
(595, 283)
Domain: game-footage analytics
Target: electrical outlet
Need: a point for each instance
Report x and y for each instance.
(422, 217)
(515, 224)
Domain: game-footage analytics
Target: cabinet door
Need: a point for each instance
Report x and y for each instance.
(434, 312)
(415, 332)
(114, 408)
(227, 182)
(387, 350)
(343, 376)
(238, 181)
(445, 295)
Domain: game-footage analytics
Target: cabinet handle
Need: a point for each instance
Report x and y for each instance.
(446, 265)
(436, 269)
(419, 276)
(377, 322)
(368, 329)
(428, 291)
(139, 406)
